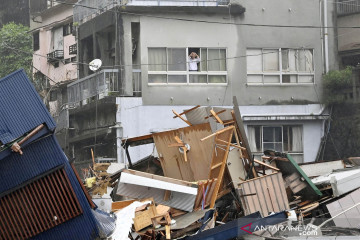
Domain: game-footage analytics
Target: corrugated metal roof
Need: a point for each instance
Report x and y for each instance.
(21, 108)
(38, 158)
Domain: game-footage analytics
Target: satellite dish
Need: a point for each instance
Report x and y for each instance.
(95, 64)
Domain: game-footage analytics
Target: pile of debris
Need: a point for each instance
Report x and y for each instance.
(204, 183)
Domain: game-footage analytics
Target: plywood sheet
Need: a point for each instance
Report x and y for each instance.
(264, 194)
(198, 157)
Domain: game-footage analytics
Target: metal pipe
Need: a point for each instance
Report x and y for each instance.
(326, 38)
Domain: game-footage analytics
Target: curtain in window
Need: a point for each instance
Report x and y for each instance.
(305, 60)
(216, 60)
(252, 138)
(203, 57)
(157, 59)
(271, 60)
(297, 139)
(176, 59)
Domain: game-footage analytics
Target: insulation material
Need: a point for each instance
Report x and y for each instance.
(264, 194)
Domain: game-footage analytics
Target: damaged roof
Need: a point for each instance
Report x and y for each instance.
(21, 107)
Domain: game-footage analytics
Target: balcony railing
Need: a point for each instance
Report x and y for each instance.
(85, 10)
(73, 49)
(55, 56)
(98, 85)
(346, 7)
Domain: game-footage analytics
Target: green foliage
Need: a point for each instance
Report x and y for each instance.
(15, 49)
(336, 85)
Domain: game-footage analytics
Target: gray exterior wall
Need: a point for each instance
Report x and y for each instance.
(236, 38)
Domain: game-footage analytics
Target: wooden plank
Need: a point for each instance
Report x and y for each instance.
(260, 195)
(217, 113)
(216, 116)
(233, 145)
(167, 195)
(265, 194)
(143, 218)
(182, 118)
(241, 130)
(121, 204)
(198, 162)
(160, 178)
(217, 158)
(167, 231)
(186, 111)
(218, 132)
(266, 165)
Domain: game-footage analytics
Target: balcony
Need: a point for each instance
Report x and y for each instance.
(347, 7)
(96, 7)
(98, 85)
(55, 56)
(73, 49)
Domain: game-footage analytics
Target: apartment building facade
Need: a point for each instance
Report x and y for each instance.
(270, 55)
(54, 57)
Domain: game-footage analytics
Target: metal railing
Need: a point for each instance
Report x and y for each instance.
(346, 7)
(99, 84)
(55, 56)
(85, 10)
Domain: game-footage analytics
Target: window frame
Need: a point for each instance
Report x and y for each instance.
(188, 73)
(36, 41)
(280, 73)
(68, 29)
(261, 139)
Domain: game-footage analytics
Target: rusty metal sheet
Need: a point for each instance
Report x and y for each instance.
(264, 194)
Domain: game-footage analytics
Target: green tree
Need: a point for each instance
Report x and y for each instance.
(15, 49)
(337, 84)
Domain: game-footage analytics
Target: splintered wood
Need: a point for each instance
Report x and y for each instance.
(219, 157)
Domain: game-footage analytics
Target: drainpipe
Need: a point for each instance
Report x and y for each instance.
(326, 38)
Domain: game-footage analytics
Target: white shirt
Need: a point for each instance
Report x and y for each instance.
(193, 63)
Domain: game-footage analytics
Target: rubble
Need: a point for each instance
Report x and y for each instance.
(204, 183)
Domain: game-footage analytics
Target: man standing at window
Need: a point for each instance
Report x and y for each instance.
(194, 59)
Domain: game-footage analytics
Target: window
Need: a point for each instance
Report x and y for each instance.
(67, 29)
(280, 65)
(36, 41)
(171, 66)
(286, 138)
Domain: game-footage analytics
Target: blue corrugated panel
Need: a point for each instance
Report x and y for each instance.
(38, 158)
(21, 108)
